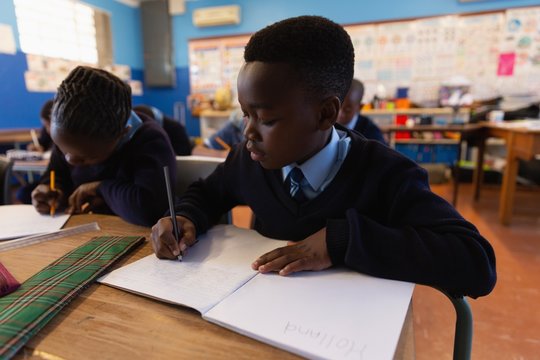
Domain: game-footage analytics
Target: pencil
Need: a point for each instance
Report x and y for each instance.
(171, 207)
(52, 186)
(223, 144)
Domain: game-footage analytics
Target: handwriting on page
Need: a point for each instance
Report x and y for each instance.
(345, 346)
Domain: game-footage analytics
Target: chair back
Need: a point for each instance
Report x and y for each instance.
(6, 165)
(192, 168)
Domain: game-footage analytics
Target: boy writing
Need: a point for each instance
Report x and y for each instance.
(338, 198)
(106, 158)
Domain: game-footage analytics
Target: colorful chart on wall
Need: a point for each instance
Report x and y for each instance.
(498, 52)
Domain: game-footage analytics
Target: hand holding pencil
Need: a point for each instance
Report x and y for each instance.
(48, 198)
(171, 236)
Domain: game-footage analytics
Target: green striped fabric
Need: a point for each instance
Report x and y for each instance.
(24, 312)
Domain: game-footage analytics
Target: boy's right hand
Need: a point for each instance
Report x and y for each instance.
(163, 241)
(43, 198)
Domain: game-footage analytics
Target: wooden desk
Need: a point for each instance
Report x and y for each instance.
(38, 166)
(465, 131)
(15, 136)
(521, 143)
(104, 322)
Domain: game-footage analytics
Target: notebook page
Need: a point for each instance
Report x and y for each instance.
(215, 267)
(331, 314)
(23, 220)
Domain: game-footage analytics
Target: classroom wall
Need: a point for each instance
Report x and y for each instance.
(20, 108)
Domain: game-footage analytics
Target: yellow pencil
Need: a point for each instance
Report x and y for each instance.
(223, 144)
(52, 186)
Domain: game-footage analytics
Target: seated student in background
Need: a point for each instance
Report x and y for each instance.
(106, 158)
(24, 193)
(175, 131)
(230, 134)
(337, 197)
(350, 117)
(44, 139)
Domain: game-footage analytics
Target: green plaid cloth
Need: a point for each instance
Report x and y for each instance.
(24, 312)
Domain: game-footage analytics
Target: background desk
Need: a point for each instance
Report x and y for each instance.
(465, 131)
(16, 137)
(104, 322)
(521, 143)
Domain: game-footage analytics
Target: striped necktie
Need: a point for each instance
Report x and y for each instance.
(296, 177)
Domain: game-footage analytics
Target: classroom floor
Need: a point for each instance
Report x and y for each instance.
(506, 322)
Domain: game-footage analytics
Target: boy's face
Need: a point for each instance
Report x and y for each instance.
(351, 106)
(283, 125)
(80, 150)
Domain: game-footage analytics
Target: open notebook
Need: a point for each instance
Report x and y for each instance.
(334, 313)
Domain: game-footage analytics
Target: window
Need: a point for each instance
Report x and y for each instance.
(65, 29)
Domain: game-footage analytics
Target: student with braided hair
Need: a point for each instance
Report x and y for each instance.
(107, 159)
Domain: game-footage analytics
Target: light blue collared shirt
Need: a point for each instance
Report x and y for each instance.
(321, 168)
(135, 123)
(352, 123)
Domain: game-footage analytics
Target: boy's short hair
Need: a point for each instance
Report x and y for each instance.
(319, 49)
(93, 103)
(46, 109)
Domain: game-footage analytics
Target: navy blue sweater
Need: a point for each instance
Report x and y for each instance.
(381, 217)
(369, 129)
(132, 182)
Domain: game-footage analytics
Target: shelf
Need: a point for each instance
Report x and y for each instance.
(417, 111)
(427, 141)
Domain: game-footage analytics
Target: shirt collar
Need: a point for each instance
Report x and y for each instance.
(134, 123)
(316, 168)
(352, 123)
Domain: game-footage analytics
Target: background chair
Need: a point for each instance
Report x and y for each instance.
(192, 168)
(5, 175)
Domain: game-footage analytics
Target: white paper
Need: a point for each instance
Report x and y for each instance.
(331, 314)
(334, 313)
(7, 40)
(212, 269)
(23, 220)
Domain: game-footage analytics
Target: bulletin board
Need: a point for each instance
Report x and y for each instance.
(499, 52)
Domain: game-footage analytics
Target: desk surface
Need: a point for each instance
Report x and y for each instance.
(10, 136)
(104, 322)
(34, 165)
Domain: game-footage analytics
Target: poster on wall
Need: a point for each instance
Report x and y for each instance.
(215, 63)
(499, 52)
(521, 50)
(45, 74)
(7, 40)
(477, 53)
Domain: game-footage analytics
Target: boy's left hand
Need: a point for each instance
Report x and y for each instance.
(85, 198)
(308, 254)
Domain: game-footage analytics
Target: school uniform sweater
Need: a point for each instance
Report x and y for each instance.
(177, 136)
(132, 182)
(369, 129)
(381, 217)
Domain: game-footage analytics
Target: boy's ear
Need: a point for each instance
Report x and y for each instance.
(329, 112)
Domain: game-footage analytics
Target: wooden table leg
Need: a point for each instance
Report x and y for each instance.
(478, 175)
(456, 172)
(508, 189)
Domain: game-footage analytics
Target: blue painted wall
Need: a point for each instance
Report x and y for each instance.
(20, 108)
